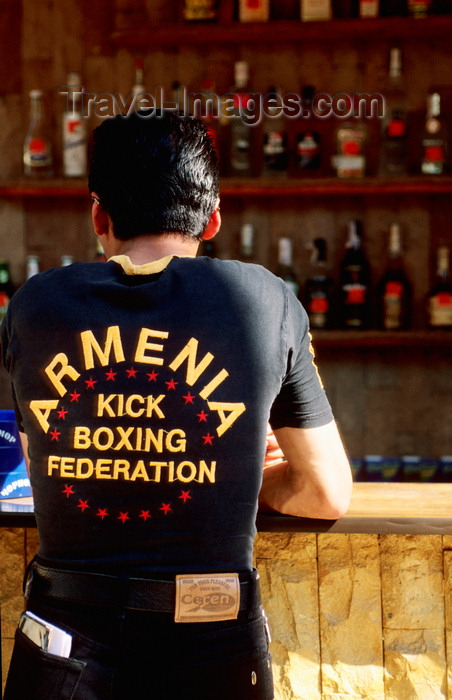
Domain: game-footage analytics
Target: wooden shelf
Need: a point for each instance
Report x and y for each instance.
(256, 188)
(353, 340)
(175, 34)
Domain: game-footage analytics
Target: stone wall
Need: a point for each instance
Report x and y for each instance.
(351, 616)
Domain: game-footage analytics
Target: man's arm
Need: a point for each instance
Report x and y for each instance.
(314, 480)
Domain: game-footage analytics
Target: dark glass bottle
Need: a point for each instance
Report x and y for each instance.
(440, 295)
(6, 287)
(308, 149)
(354, 282)
(394, 287)
(318, 296)
(285, 265)
(274, 137)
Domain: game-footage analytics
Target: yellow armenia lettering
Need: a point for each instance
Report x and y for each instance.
(143, 345)
(41, 411)
(91, 346)
(227, 412)
(65, 370)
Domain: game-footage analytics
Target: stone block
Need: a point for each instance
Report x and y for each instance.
(448, 588)
(350, 615)
(412, 581)
(288, 570)
(11, 576)
(415, 664)
(449, 663)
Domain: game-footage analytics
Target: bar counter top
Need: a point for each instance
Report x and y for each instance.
(376, 508)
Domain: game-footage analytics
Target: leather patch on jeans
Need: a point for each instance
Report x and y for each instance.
(207, 597)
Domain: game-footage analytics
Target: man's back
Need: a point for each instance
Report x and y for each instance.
(147, 418)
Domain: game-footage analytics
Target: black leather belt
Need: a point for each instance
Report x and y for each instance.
(117, 591)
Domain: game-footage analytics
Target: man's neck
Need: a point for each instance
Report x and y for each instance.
(148, 248)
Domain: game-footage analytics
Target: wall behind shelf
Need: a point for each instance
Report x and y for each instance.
(51, 39)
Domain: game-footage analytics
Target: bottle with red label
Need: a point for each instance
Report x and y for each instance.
(350, 160)
(393, 149)
(434, 138)
(308, 142)
(75, 150)
(440, 295)
(6, 287)
(394, 288)
(37, 153)
(354, 282)
(319, 288)
(238, 123)
(254, 10)
(209, 111)
(274, 135)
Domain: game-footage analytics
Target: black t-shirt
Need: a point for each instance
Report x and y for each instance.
(145, 394)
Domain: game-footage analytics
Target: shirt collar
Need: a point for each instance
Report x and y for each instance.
(150, 268)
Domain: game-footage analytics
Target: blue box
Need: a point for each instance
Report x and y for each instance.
(14, 481)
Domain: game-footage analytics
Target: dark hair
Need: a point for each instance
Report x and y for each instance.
(155, 171)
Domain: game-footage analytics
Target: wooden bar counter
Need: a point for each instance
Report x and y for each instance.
(358, 608)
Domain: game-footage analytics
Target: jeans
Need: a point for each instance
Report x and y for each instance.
(120, 654)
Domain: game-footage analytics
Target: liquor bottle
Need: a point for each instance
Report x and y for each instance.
(369, 9)
(66, 260)
(394, 288)
(285, 268)
(434, 138)
(31, 266)
(200, 10)
(100, 253)
(240, 131)
(316, 10)
(419, 8)
(274, 136)
(350, 161)
(440, 295)
(209, 111)
(354, 282)
(138, 87)
(37, 154)
(6, 287)
(246, 243)
(308, 153)
(254, 10)
(319, 288)
(75, 149)
(393, 150)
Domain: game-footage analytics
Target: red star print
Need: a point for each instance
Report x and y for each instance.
(152, 376)
(188, 398)
(185, 496)
(75, 396)
(62, 413)
(102, 513)
(208, 439)
(110, 375)
(171, 384)
(90, 383)
(83, 505)
(123, 517)
(145, 514)
(55, 435)
(132, 372)
(166, 507)
(68, 490)
(202, 416)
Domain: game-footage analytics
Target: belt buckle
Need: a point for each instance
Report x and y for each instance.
(207, 597)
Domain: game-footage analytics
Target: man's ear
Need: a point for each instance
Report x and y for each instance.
(100, 218)
(214, 224)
